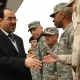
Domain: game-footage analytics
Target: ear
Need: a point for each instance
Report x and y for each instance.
(41, 27)
(0, 22)
(63, 15)
(0, 19)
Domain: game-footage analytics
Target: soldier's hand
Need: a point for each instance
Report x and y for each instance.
(31, 53)
(55, 56)
(53, 79)
(52, 57)
(33, 63)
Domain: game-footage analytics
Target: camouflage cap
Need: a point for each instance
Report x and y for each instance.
(33, 24)
(51, 31)
(61, 7)
(69, 4)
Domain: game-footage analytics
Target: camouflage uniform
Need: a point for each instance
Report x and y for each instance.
(65, 45)
(40, 47)
(50, 70)
(76, 43)
(78, 25)
(47, 71)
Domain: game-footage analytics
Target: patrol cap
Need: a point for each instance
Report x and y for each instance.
(50, 31)
(71, 1)
(61, 7)
(33, 24)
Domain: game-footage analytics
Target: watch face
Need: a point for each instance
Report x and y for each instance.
(12, 4)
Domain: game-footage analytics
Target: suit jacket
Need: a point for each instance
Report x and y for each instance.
(11, 62)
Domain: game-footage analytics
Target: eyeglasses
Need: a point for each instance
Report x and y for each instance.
(11, 18)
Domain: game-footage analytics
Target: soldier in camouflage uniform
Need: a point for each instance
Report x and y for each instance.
(51, 39)
(75, 4)
(63, 19)
(33, 43)
(37, 31)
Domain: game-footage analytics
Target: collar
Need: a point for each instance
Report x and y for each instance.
(40, 37)
(68, 26)
(54, 47)
(6, 33)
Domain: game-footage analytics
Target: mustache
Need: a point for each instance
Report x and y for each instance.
(11, 24)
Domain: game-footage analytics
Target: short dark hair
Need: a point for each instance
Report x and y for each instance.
(2, 12)
(31, 38)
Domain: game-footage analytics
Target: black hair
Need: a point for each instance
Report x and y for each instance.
(31, 38)
(2, 12)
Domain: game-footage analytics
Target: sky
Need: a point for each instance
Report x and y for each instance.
(32, 10)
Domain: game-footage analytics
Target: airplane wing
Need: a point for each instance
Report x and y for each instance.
(12, 4)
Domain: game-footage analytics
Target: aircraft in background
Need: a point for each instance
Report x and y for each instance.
(12, 4)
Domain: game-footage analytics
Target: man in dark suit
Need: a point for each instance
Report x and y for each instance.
(13, 62)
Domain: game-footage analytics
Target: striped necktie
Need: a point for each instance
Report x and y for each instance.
(11, 37)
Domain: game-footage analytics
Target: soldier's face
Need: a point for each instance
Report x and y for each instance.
(51, 39)
(33, 43)
(58, 20)
(9, 21)
(36, 32)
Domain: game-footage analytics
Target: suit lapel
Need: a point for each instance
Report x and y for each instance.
(7, 41)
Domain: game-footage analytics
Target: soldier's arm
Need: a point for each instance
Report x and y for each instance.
(67, 59)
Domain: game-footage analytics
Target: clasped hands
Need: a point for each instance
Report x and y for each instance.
(33, 63)
(36, 64)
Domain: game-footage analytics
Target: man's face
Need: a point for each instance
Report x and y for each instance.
(58, 20)
(51, 39)
(9, 21)
(33, 43)
(36, 32)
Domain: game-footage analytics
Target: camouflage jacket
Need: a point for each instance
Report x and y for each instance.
(40, 47)
(50, 70)
(65, 48)
(47, 71)
(76, 43)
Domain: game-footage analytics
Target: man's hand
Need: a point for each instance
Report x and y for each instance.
(30, 53)
(33, 63)
(52, 57)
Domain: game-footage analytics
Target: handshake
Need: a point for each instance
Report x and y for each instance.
(36, 64)
(33, 63)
